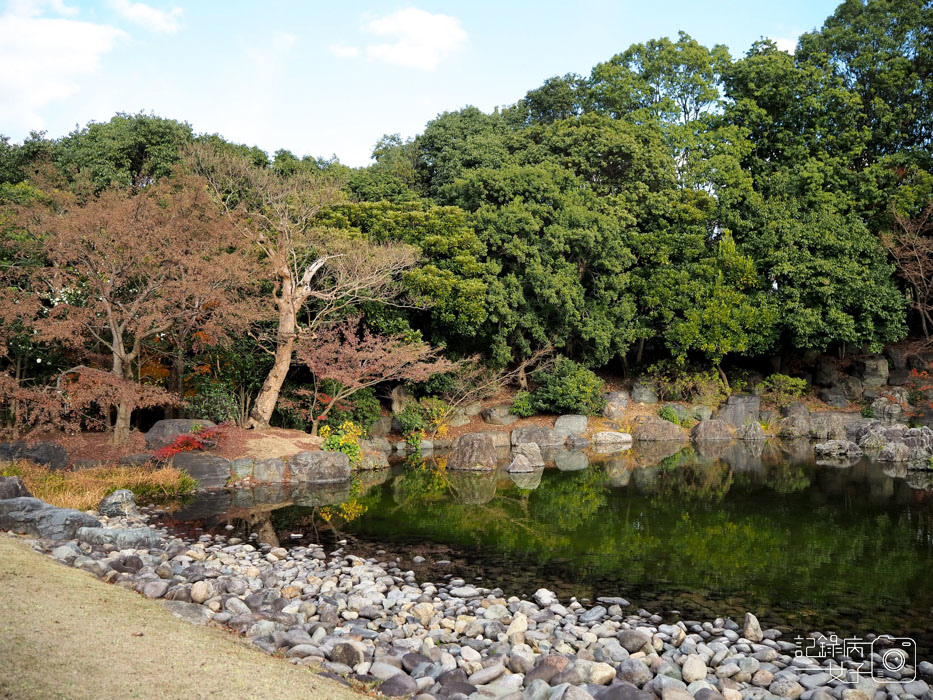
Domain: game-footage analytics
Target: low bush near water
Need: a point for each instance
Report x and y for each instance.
(84, 489)
(568, 388)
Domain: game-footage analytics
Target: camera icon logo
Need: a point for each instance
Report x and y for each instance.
(891, 657)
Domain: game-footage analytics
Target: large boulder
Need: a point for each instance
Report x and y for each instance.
(270, 470)
(120, 502)
(656, 429)
(616, 403)
(499, 415)
(611, 438)
(751, 432)
(30, 516)
(500, 438)
(739, 409)
(319, 467)
(794, 426)
(473, 451)
(47, 454)
(712, 429)
(210, 471)
(531, 452)
(837, 448)
(121, 538)
(13, 487)
(571, 424)
(542, 437)
(886, 410)
(873, 372)
(644, 392)
(164, 432)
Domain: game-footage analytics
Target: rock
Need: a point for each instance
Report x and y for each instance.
(520, 463)
(834, 396)
(201, 591)
(270, 470)
(210, 471)
(886, 411)
(399, 685)
(30, 516)
(675, 693)
(712, 429)
(656, 429)
(873, 372)
(625, 691)
(531, 452)
(47, 454)
(121, 538)
(837, 448)
(347, 653)
(154, 589)
(751, 432)
(571, 424)
(616, 403)
(382, 426)
(739, 409)
(164, 432)
(486, 675)
(120, 502)
(694, 669)
(751, 629)
(785, 688)
(473, 451)
(602, 674)
(13, 487)
(465, 592)
(644, 392)
(319, 467)
(544, 597)
(189, 612)
(499, 415)
(894, 452)
(634, 671)
(794, 426)
(610, 438)
(633, 640)
(542, 437)
(592, 615)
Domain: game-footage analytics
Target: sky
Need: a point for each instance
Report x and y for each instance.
(325, 79)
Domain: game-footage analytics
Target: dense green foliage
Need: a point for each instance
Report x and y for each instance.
(677, 205)
(567, 388)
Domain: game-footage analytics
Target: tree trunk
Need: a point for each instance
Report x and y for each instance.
(121, 429)
(178, 382)
(725, 379)
(268, 397)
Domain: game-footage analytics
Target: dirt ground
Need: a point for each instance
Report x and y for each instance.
(69, 635)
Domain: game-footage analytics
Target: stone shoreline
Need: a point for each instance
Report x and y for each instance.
(371, 622)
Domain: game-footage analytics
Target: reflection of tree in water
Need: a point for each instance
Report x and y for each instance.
(787, 477)
(571, 501)
(422, 483)
(693, 481)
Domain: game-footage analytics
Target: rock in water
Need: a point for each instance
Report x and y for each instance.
(712, 429)
(473, 451)
(120, 502)
(751, 630)
(211, 471)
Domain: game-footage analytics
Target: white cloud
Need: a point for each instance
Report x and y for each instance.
(44, 59)
(341, 50)
(149, 17)
(785, 44)
(416, 39)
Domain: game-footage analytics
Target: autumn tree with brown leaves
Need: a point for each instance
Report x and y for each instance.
(128, 267)
(911, 246)
(315, 273)
(350, 357)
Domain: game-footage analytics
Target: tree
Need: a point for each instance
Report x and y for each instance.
(306, 266)
(350, 357)
(911, 246)
(129, 266)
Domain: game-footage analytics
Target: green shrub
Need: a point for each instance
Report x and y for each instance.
(669, 414)
(522, 405)
(783, 389)
(679, 383)
(568, 388)
(867, 411)
(213, 401)
(346, 439)
(362, 408)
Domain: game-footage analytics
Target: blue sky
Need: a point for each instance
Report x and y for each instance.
(331, 78)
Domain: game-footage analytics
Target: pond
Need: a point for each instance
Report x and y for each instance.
(691, 533)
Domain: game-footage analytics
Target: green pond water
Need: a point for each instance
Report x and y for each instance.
(687, 534)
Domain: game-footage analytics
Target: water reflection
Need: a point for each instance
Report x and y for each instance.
(706, 530)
